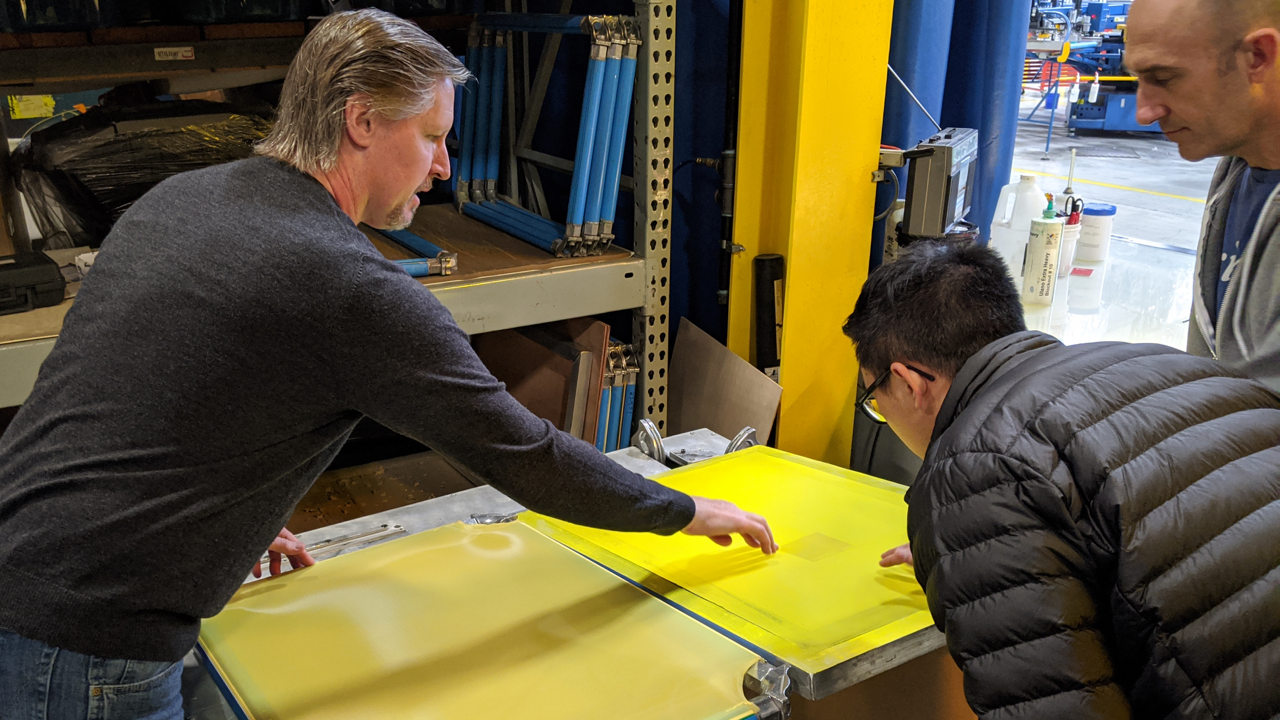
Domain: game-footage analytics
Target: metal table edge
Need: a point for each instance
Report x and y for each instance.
(816, 686)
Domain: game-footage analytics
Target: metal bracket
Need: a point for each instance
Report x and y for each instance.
(445, 263)
(649, 441)
(892, 158)
(596, 27)
(492, 518)
(745, 438)
(889, 159)
(618, 36)
(694, 446)
(774, 684)
(333, 547)
(630, 35)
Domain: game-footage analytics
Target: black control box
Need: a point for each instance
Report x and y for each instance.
(29, 281)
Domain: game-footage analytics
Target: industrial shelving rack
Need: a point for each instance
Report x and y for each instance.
(494, 299)
(653, 120)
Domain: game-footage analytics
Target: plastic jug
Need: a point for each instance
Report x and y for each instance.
(1012, 225)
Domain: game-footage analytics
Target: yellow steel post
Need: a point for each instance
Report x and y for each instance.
(812, 101)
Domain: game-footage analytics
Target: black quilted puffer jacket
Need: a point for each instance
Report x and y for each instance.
(1097, 529)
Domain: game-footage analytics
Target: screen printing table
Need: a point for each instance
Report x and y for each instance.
(514, 619)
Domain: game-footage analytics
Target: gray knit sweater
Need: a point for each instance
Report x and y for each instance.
(232, 332)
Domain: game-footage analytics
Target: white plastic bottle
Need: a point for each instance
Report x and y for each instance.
(1043, 249)
(1070, 235)
(1095, 232)
(1012, 225)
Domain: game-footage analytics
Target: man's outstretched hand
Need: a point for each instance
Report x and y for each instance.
(900, 555)
(289, 546)
(720, 521)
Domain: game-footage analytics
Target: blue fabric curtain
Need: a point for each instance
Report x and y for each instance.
(918, 51)
(984, 86)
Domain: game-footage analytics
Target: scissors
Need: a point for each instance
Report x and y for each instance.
(1074, 207)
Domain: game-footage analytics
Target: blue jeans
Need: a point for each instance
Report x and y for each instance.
(39, 682)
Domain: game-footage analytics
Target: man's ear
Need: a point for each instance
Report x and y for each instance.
(359, 118)
(1261, 46)
(918, 386)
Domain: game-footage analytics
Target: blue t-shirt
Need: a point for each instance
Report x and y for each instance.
(1246, 207)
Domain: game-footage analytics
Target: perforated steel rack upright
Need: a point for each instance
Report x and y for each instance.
(653, 118)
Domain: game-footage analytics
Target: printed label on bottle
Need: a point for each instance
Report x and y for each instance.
(1043, 249)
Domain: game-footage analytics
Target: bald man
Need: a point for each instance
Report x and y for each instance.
(1207, 72)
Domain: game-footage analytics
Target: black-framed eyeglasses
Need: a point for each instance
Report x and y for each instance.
(866, 401)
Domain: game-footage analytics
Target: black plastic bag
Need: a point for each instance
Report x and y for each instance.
(79, 176)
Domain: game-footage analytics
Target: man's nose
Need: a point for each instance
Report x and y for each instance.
(440, 163)
(1149, 110)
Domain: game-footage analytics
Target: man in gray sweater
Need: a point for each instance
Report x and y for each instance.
(1209, 73)
(235, 328)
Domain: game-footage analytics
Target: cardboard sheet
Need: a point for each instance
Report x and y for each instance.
(541, 376)
(713, 388)
(556, 370)
(471, 622)
(38, 324)
(821, 600)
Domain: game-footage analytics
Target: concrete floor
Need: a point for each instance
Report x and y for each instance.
(1158, 195)
(1142, 293)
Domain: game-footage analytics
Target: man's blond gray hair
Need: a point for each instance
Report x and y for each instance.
(383, 60)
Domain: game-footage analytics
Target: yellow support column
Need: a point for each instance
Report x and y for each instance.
(812, 100)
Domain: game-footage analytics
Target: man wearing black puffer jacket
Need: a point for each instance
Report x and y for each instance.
(1096, 527)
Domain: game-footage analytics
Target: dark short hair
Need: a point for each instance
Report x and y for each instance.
(938, 305)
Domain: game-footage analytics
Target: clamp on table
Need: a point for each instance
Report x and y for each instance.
(774, 684)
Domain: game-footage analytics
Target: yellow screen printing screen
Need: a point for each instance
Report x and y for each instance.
(469, 622)
(821, 600)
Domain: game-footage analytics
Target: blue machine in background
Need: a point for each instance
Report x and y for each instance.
(1098, 51)
(1115, 111)
(1104, 16)
(1116, 105)
(1103, 55)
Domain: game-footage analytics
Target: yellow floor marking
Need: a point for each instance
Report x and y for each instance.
(1110, 185)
